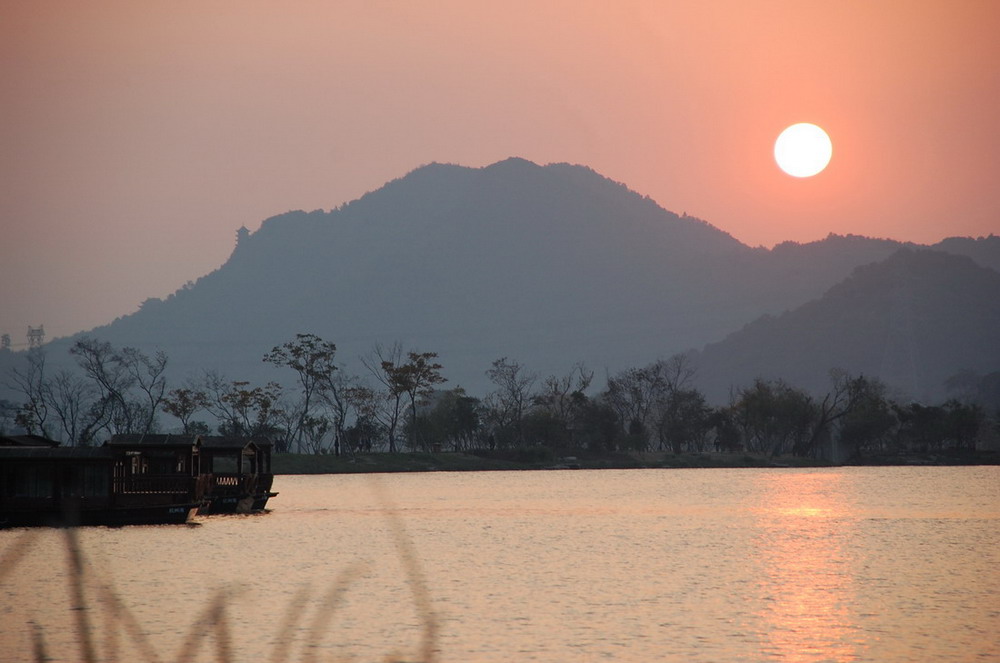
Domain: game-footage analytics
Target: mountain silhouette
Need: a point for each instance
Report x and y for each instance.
(912, 320)
(548, 265)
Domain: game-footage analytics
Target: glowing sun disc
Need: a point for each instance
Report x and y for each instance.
(803, 150)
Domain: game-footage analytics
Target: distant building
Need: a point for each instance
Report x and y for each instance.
(36, 336)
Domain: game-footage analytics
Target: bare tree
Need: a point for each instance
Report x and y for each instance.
(100, 364)
(288, 416)
(684, 420)
(183, 403)
(647, 399)
(243, 410)
(634, 395)
(855, 405)
(312, 359)
(336, 394)
(74, 404)
(381, 363)
(131, 384)
(367, 407)
(148, 378)
(773, 416)
(314, 430)
(417, 377)
(677, 371)
(507, 404)
(65, 406)
(214, 386)
(30, 382)
(561, 395)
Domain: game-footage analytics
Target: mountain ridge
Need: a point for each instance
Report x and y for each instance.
(912, 320)
(550, 265)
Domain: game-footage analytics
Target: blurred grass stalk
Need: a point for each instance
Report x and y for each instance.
(213, 621)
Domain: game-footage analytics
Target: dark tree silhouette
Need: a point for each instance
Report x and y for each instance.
(312, 359)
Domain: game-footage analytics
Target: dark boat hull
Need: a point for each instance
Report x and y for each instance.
(236, 504)
(163, 514)
(154, 484)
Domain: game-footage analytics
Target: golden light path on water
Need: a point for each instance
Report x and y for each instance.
(806, 593)
(801, 566)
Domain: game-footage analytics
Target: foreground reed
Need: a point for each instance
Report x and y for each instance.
(101, 618)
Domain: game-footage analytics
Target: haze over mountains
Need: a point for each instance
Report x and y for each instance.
(554, 265)
(913, 320)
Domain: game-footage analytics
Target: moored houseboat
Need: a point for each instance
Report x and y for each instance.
(236, 471)
(48, 485)
(239, 471)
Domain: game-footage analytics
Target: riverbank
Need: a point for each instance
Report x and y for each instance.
(532, 459)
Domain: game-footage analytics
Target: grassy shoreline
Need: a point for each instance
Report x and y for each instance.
(536, 460)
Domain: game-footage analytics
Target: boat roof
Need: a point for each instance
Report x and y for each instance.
(232, 442)
(154, 440)
(57, 453)
(26, 441)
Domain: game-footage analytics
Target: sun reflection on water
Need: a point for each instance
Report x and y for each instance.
(806, 583)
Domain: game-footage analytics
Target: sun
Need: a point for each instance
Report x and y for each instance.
(803, 150)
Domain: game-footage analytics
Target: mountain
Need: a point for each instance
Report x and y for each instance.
(547, 265)
(912, 320)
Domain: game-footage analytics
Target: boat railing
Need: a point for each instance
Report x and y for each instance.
(230, 480)
(154, 484)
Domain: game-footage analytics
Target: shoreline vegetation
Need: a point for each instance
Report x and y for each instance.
(399, 418)
(544, 459)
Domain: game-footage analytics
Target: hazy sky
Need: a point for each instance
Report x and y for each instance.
(136, 137)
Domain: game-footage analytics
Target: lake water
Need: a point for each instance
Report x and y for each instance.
(843, 564)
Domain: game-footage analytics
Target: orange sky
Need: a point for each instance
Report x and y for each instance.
(136, 137)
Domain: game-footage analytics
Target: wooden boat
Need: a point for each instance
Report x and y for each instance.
(236, 470)
(239, 471)
(66, 486)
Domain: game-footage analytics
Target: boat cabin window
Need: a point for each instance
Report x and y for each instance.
(161, 465)
(31, 481)
(91, 481)
(225, 465)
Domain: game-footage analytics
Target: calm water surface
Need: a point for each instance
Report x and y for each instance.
(853, 564)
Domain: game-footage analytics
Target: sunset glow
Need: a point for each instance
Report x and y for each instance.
(137, 137)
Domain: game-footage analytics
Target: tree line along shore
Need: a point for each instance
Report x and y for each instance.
(400, 417)
(547, 459)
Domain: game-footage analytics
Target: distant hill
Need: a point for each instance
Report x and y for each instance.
(913, 320)
(548, 265)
